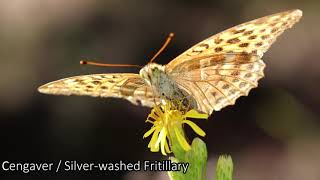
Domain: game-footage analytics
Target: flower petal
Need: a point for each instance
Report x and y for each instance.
(183, 142)
(162, 133)
(148, 133)
(195, 114)
(195, 127)
(163, 142)
(158, 111)
(153, 116)
(153, 141)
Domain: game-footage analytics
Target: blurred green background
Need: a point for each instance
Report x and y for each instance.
(273, 134)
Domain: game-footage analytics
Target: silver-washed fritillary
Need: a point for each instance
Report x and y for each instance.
(210, 75)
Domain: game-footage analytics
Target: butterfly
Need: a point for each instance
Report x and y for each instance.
(209, 76)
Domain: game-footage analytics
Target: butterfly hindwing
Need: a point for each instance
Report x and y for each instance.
(121, 85)
(216, 85)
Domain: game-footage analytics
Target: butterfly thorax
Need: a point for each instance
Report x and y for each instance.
(165, 86)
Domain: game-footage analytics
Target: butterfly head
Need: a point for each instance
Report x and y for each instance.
(151, 73)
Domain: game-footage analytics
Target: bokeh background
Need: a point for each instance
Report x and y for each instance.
(273, 134)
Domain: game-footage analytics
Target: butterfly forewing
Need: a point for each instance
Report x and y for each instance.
(254, 36)
(228, 65)
(121, 85)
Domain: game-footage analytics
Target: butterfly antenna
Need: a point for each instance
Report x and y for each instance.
(163, 47)
(82, 62)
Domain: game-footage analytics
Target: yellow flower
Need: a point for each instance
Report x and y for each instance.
(167, 123)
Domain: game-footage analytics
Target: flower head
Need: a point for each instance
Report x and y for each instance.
(168, 123)
(224, 169)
